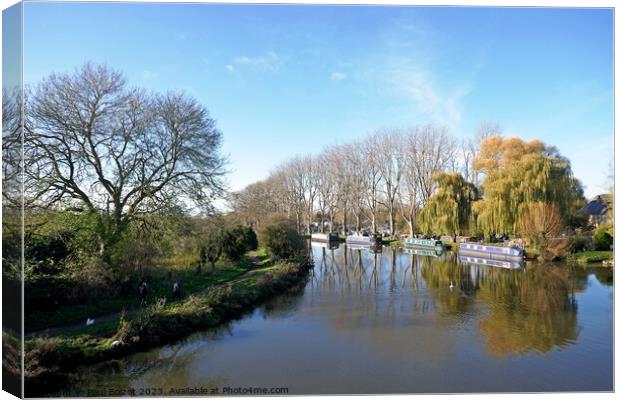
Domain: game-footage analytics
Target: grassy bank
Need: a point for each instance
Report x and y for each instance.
(160, 285)
(50, 359)
(590, 257)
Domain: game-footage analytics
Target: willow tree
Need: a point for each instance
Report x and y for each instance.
(517, 175)
(449, 209)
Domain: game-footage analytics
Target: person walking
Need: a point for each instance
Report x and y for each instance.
(176, 290)
(142, 293)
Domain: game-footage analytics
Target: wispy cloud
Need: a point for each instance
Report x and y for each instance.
(148, 75)
(404, 68)
(230, 68)
(269, 60)
(338, 76)
(440, 104)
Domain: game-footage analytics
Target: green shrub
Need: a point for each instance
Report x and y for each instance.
(238, 240)
(283, 240)
(602, 239)
(582, 243)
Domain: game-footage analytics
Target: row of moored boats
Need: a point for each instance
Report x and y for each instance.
(469, 252)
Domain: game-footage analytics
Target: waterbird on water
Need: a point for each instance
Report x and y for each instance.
(451, 285)
(89, 321)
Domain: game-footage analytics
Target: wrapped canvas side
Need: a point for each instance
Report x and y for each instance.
(12, 201)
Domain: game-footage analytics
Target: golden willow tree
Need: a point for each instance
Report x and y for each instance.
(449, 209)
(519, 175)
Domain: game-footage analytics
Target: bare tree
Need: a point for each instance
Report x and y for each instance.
(389, 157)
(260, 201)
(409, 200)
(343, 178)
(372, 179)
(356, 176)
(434, 151)
(328, 185)
(12, 132)
(307, 172)
(120, 151)
(290, 181)
(470, 148)
(542, 225)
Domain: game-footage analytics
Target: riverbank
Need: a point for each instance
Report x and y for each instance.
(160, 285)
(592, 257)
(50, 360)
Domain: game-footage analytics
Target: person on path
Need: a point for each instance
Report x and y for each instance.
(176, 290)
(142, 293)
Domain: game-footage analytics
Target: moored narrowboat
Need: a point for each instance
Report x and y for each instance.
(491, 252)
(327, 245)
(324, 237)
(373, 240)
(424, 243)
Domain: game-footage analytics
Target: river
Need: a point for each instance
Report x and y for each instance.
(393, 322)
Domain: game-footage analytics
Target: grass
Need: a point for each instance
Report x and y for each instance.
(532, 253)
(160, 285)
(588, 257)
(50, 359)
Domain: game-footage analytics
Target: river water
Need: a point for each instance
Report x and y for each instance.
(394, 322)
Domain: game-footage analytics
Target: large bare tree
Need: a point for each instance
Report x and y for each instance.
(119, 151)
(434, 151)
(409, 199)
(328, 184)
(371, 169)
(389, 157)
(470, 148)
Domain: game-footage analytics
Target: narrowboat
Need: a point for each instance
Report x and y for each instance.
(327, 245)
(491, 252)
(424, 243)
(324, 237)
(373, 240)
(491, 263)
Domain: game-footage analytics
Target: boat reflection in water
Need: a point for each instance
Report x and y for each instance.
(422, 252)
(372, 249)
(490, 263)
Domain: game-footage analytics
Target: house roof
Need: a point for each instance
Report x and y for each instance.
(597, 206)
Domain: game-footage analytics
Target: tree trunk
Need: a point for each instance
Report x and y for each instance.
(392, 223)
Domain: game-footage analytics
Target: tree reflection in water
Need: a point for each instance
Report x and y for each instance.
(533, 309)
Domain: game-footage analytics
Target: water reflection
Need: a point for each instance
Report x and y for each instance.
(516, 309)
(395, 322)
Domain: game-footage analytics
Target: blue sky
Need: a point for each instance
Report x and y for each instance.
(287, 80)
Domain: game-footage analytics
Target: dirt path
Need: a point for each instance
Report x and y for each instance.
(76, 326)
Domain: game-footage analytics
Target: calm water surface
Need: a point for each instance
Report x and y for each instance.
(391, 323)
